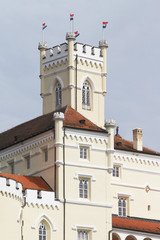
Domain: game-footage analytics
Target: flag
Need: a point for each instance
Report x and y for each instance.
(76, 34)
(71, 17)
(104, 24)
(44, 26)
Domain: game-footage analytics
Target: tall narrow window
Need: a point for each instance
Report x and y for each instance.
(83, 188)
(12, 167)
(58, 95)
(42, 232)
(86, 96)
(122, 207)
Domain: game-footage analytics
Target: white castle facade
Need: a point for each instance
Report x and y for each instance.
(64, 175)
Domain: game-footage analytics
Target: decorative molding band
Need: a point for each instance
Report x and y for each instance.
(87, 135)
(26, 146)
(84, 227)
(86, 166)
(88, 203)
(110, 151)
(135, 186)
(102, 74)
(141, 170)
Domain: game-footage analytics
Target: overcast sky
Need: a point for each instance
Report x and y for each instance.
(133, 35)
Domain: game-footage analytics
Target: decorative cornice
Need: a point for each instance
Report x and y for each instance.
(87, 203)
(26, 146)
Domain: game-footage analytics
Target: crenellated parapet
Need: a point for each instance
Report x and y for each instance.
(11, 187)
(41, 198)
(83, 52)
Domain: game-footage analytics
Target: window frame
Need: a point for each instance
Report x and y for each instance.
(122, 206)
(84, 188)
(83, 231)
(116, 173)
(86, 95)
(83, 152)
(58, 95)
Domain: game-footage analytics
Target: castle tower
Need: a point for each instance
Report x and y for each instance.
(74, 74)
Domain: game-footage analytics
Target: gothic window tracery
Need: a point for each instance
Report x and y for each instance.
(42, 232)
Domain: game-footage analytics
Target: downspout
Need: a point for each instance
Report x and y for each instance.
(22, 222)
(76, 80)
(55, 170)
(64, 190)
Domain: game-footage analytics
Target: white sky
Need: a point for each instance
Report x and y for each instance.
(133, 35)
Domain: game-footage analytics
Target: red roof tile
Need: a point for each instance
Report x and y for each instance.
(29, 182)
(136, 224)
(122, 144)
(42, 124)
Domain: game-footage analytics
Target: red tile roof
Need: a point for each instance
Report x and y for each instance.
(136, 224)
(122, 144)
(29, 182)
(42, 124)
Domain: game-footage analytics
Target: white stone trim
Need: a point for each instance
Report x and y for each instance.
(86, 166)
(125, 195)
(87, 134)
(26, 146)
(87, 203)
(89, 228)
(41, 198)
(87, 78)
(135, 186)
(141, 170)
(84, 175)
(46, 218)
(56, 79)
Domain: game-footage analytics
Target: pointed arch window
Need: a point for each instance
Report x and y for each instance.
(86, 96)
(42, 232)
(58, 95)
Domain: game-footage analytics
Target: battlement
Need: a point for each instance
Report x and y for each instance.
(43, 198)
(59, 54)
(10, 186)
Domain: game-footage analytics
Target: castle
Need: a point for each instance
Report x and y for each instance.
(64, 175)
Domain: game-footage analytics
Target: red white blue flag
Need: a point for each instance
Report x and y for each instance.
(104, 24)
(71, 17)
(44, 26)
(76, 34)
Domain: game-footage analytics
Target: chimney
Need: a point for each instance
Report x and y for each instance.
(138, 139)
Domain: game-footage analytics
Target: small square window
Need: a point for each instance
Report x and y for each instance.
(83, 153)
(116, 171)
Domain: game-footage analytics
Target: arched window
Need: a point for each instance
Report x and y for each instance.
(58, 95)
(86, 96)
(42, 231)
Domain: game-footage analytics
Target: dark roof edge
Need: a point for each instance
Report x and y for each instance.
(135, 230)
(155, 154)
(137, 218)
